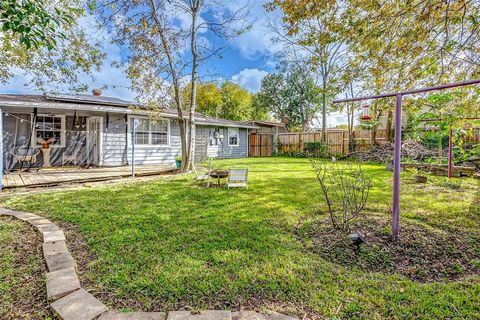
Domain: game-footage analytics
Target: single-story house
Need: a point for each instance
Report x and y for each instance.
(59, 129)
(263, 137)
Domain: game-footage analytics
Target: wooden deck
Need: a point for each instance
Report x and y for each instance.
(59, 175)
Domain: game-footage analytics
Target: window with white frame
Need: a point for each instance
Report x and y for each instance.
(233, 136)
(50, 129)
(151, 131)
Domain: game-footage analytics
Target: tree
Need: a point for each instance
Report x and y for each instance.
(317, 29)
(227, 101)
(164, 51)
(44, 40)
(291, 96)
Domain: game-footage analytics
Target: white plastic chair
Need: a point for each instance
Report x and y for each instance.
(203, 175)
(237, 178)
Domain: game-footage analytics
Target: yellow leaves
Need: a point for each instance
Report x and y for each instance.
(144, 23)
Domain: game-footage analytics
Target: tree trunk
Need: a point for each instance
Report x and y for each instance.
(175, 82)
(193, 94)
(324, 115)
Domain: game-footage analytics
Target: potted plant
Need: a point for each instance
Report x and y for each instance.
(178, 162)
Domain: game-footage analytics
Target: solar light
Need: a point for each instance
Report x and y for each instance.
(357, 240)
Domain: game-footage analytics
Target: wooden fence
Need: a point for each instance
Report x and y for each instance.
(336, 139)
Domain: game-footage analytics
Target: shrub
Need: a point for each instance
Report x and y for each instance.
(317, 149)
(345, 188)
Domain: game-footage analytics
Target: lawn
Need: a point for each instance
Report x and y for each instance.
(169, 244)
(22, 272)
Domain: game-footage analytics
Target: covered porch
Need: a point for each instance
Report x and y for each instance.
(46, 177)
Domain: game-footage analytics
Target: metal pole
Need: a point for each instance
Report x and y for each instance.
(1, 149)
(133, 147)
(450, 152)
(396, 167)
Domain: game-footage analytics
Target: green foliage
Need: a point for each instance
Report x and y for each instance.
(34, 25)
(228, 101)
(291, 96)
(318, 149)
(43, 40)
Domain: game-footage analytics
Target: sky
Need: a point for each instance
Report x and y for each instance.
(248, 58)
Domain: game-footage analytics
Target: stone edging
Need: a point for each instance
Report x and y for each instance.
(71, 302)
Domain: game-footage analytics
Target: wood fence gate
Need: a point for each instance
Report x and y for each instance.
(260, 145)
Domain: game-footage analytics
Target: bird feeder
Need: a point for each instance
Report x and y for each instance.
(366, 113)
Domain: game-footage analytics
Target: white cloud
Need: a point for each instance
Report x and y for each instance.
(258, 39)
(250, 79)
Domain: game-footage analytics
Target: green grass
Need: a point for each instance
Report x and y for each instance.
(22, 270)
(170, 244)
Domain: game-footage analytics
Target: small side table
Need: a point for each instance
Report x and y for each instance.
(46, 157)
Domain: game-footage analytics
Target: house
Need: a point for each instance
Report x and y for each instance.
(59, 129)
(263, 137)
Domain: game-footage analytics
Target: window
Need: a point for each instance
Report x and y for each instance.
(50, 129)
(151, 132)
(233, 136)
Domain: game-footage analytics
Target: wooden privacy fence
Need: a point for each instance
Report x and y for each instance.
(336, 139)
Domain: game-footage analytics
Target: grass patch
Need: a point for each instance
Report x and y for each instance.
(22, 272)
(169, 244)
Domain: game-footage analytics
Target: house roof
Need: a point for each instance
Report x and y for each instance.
(265, 123)
(91, 99)
(105, 104)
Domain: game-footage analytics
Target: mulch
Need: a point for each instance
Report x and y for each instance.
(422, 253)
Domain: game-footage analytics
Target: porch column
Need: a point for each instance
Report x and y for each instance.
(133, 147)
(1, 149)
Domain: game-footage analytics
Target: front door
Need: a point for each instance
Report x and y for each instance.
(94, 141)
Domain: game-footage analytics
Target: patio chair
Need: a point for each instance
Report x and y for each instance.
(202, 176)
(71, 153)
(24, 154)
(237, 178)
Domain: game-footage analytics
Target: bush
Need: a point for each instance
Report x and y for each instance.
(317, 149)
(345, 189)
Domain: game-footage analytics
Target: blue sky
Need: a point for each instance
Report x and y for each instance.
(247, 60)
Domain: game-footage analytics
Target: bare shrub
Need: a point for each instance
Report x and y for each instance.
(345, 188)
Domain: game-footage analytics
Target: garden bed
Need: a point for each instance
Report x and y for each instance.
(422, 253)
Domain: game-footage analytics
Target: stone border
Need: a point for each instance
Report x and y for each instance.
(71, 302)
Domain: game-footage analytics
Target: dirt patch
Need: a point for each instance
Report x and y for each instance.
(22, 272)
(422, 253)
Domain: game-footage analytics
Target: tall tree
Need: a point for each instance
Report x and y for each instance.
(163, 50)
(291, 96)
(44, 40)
(227, 100)
(316, 28)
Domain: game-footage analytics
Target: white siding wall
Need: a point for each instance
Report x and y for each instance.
(223, 150)
(157, 154)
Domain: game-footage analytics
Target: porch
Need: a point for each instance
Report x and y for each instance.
(53, 176)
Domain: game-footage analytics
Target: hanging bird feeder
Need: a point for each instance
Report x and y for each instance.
(365, 114)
